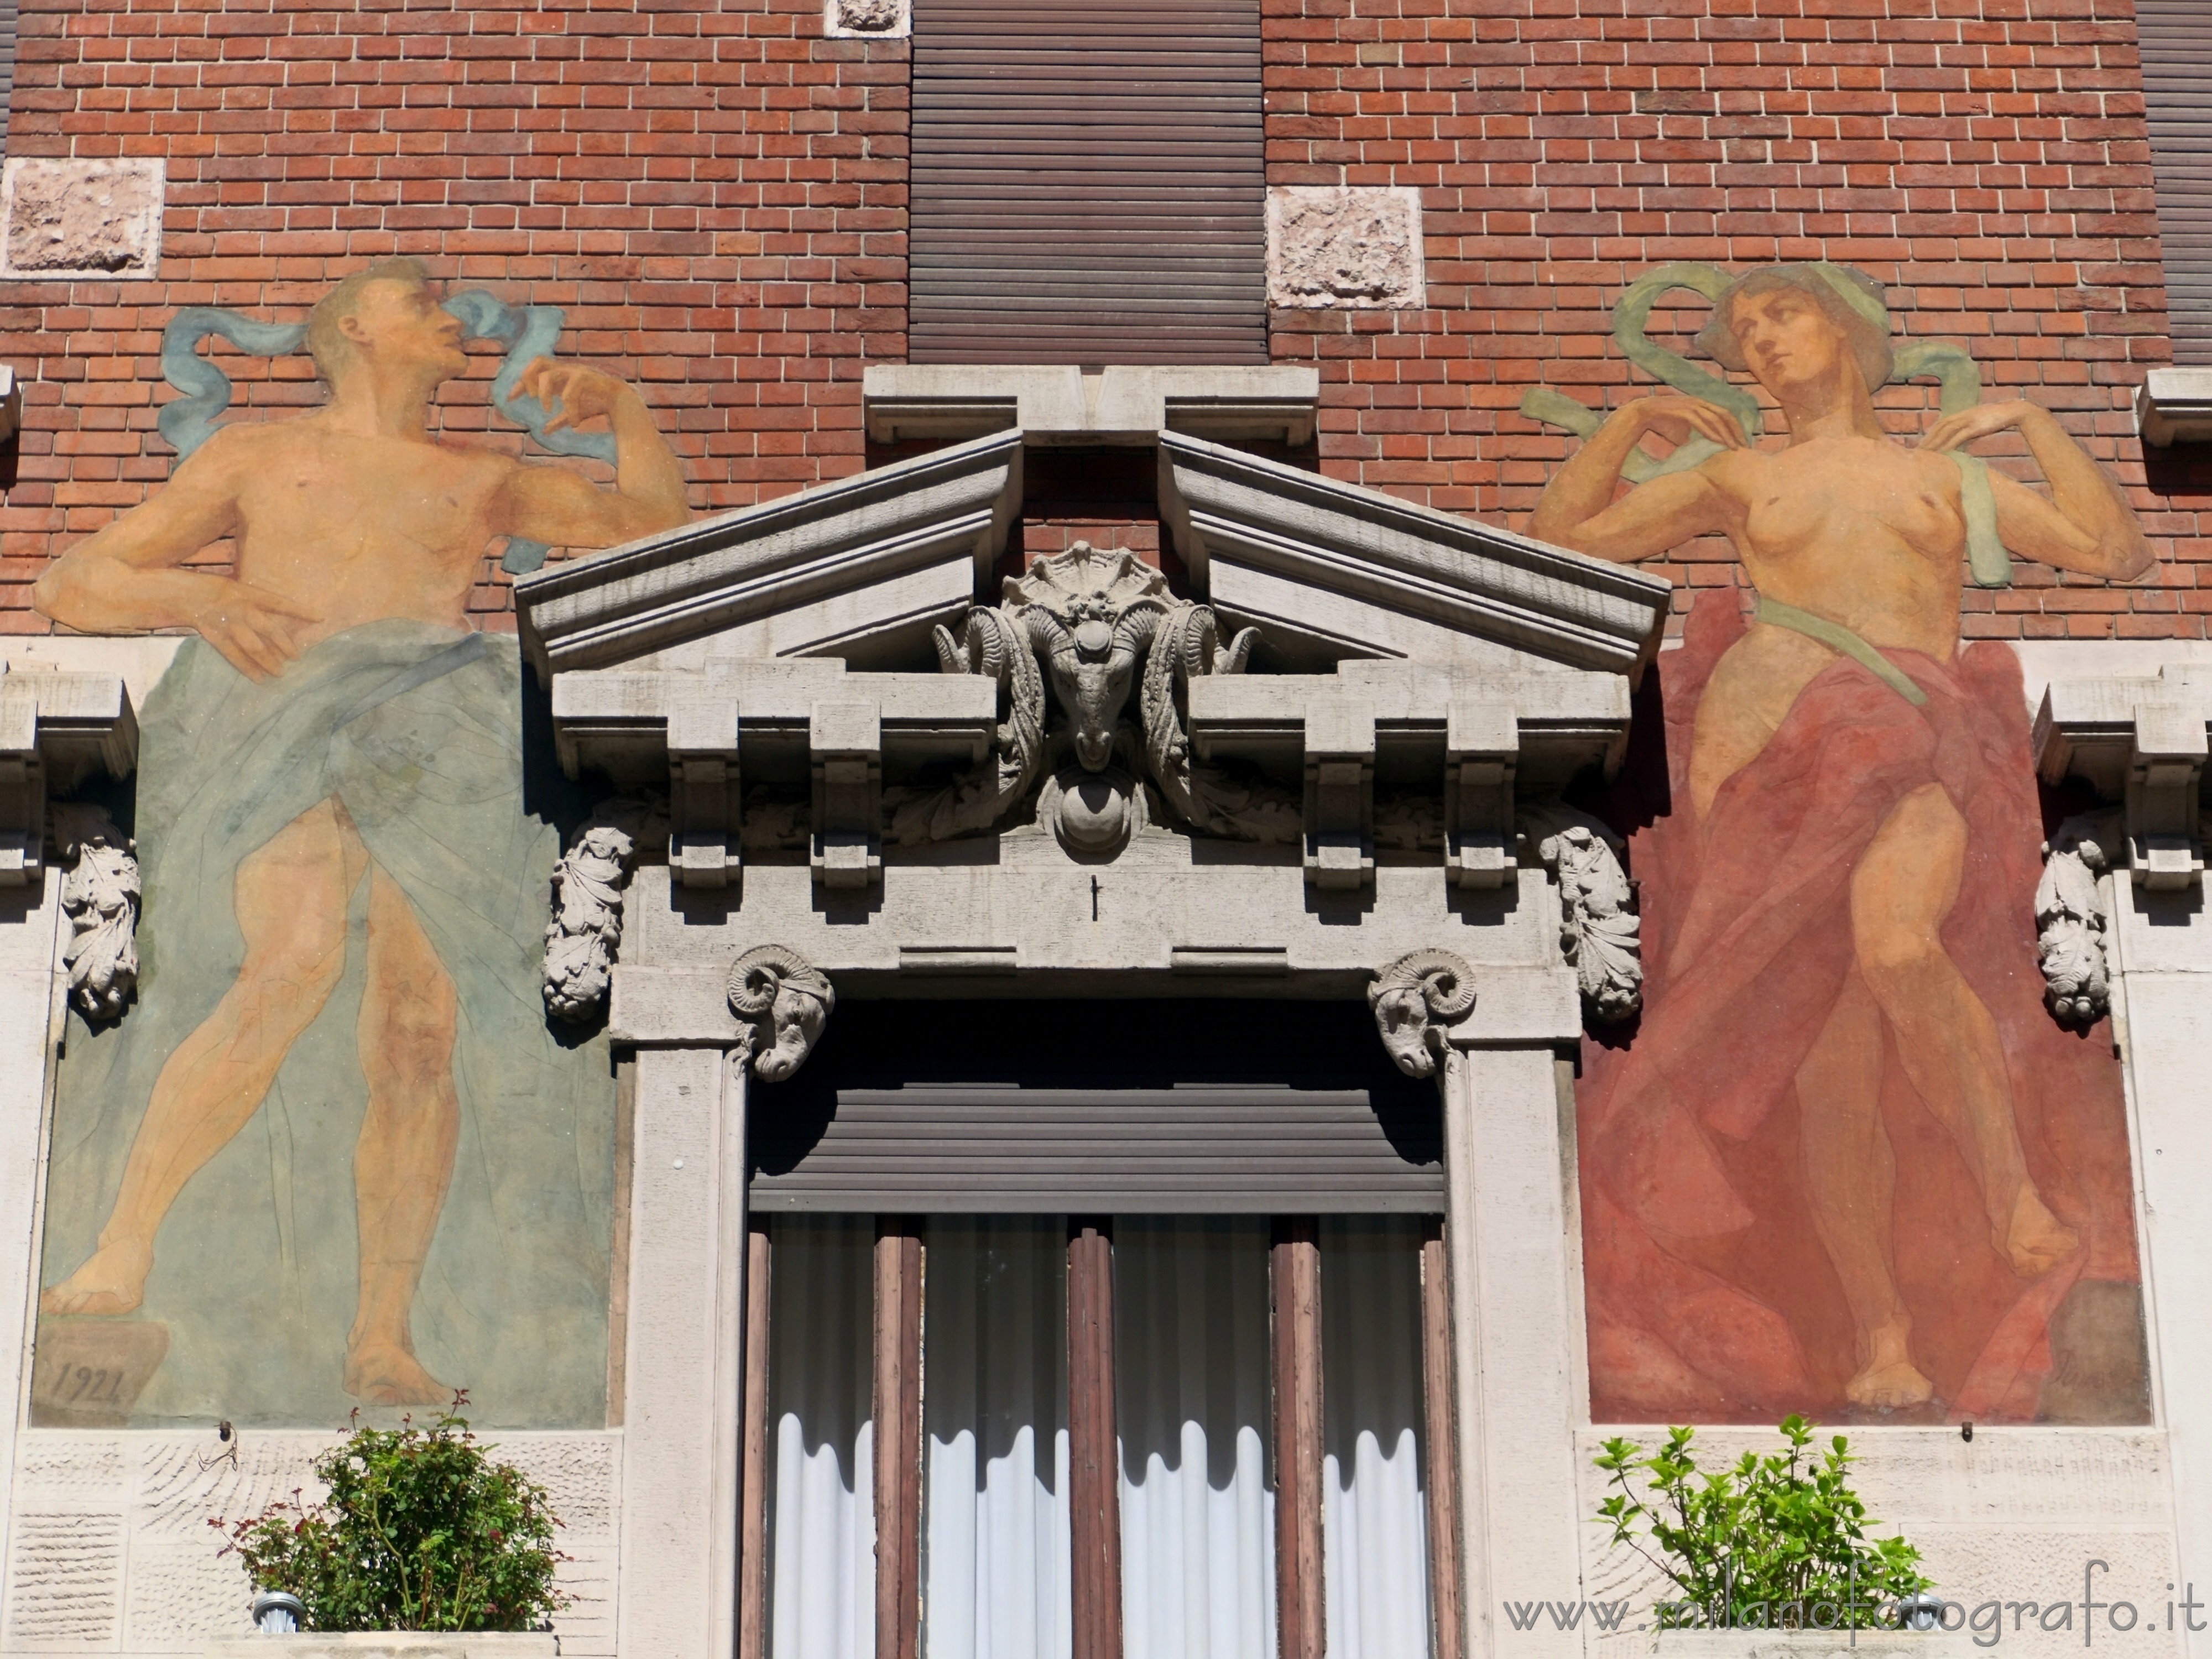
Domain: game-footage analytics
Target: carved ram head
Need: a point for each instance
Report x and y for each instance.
(787, 1001)
(1091, 616)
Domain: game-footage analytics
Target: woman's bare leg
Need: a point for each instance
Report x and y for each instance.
(1850, 1175)
(290, 895)
(1906, 884)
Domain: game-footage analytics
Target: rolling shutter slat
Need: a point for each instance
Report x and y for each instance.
(1087, 183)
(8, 22)
(1251, 1151)
(2176, 68)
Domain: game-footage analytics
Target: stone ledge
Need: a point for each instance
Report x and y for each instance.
(1811, 1645)
(2174, 406)
(389, 1645)
(1060, 405)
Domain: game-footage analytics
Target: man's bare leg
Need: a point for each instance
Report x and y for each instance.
(1851, 1175)
(290, 897)
(404, 1160)
(1903, 887)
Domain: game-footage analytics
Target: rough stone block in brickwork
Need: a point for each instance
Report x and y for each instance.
(70, 219)
(867, 19)
(1344, 247)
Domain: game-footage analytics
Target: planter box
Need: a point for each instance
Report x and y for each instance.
(1812, 1644)
(390, 1644)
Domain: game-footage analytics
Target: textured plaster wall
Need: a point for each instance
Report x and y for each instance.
(2013, 1515)
(111, 1552)
(104, 1545)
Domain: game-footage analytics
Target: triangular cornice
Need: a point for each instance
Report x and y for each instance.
(1284, 550)
(922, 535)
(862, 568)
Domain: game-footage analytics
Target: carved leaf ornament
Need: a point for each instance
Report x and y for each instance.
(584, 935)
(100, 897)
(1600, 933)
(2070, 919)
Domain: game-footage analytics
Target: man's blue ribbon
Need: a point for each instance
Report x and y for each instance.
(528, 333)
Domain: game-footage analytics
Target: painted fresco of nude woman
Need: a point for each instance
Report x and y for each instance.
(1854, 543)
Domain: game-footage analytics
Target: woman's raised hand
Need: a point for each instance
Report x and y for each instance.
(1676, 417)
(1957, 431)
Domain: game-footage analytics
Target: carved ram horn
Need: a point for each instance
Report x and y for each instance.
(1134, 627)
(787, 1001)
(761, 972)
(952, 656)
(1203, 653)
(1046, 633)
(1414, 999)
(1239, 653)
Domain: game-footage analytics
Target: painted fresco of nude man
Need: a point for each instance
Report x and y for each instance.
(1831, 929)
(347, 520)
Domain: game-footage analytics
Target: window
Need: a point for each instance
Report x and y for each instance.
(2176, 37)
(985, 1433)
(1087, 184)
(932, 1472)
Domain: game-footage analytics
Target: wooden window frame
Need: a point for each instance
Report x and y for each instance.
(898, 1436)
(1094, 1489)
(1294, 1284)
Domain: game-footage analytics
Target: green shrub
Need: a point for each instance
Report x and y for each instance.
(1773, 1541)
(421, 1531)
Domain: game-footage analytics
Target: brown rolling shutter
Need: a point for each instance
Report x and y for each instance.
(2176, 37)
(7, 27)
(1088, 183)
(1134, 1152)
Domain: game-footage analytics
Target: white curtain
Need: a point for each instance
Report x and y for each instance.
(1374, 1519)
(822, 1524)
(1191, 1338)
(996, 1557)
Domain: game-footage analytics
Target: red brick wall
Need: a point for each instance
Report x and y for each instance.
(1985, 158)
(716, 194)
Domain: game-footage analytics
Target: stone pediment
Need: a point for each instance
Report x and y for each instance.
(1329, 570)
(863, 569)
(1346, 676)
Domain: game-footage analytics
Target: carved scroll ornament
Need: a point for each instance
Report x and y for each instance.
(2071, 922)
(1414, 999)
(100, 897)
(786, 1002)
(994, 643)
(1600, 935)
